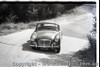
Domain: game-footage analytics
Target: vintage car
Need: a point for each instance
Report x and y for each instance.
(46, 36)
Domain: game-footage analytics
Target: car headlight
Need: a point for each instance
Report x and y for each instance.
(57, 37)
(33, 37)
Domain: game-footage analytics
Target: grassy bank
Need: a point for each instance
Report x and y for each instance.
(88, 55)
(8, 28)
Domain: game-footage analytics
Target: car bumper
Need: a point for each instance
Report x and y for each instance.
(34, 44)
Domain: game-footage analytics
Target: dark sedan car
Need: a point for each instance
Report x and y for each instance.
(46, 36)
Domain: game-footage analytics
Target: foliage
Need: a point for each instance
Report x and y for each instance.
(9, 28)
(20, 12)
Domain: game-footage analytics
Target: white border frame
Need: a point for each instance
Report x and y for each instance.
(97, 15)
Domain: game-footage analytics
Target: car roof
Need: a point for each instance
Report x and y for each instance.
(46, 23)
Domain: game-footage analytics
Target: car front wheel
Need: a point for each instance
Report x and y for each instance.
(33, 47)
(57, 50)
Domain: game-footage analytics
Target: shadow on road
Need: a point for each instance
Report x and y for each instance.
(26, 47)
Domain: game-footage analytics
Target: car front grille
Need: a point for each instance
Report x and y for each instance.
(44, 42)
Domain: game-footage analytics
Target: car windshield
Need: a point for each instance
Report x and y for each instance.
(47, 26)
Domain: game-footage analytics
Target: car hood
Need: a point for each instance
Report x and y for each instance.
(46, 34)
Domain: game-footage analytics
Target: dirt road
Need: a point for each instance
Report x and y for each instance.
(15, 49)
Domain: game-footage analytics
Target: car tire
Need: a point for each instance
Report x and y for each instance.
(33, 47)
(57, 50)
